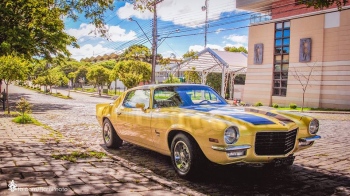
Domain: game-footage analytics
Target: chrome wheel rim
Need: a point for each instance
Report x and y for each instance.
(107, 132)
(182, 157)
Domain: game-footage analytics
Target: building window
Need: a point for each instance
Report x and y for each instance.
(281, 58)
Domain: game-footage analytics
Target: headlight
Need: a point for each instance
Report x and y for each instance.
(231, 135)
(313, 126)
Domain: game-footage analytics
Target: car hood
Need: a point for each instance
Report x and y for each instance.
(250, 115)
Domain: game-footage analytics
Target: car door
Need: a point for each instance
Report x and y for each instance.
(164, 99)
(133, 122)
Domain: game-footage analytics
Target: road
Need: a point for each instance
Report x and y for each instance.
(323, 169)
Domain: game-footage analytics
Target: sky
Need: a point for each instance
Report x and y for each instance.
(181, 26)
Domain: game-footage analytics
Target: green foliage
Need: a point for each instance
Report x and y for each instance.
(23, 119)
(136, 53)
(292, 106)
(23, 106)
(13, 68)
(36, 28)
(192, 76)
(240, 79)
(319, 4)
(235, 49)
(131, 73)
(98, 75)
(190, 54)
(72, 157)
(214, 81)
(172, 79)
(258, 104)
(275, 105)
(107, 64)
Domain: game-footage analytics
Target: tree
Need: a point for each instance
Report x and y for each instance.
(235, 49)
(136, 53)
(107, 64)
(12, 68)
(36, 28)
(303, 79)
(319, 4)
(192, 76)
(190, 54)
(131, 73)
(172, 79)
(214, 80)
(99, 76)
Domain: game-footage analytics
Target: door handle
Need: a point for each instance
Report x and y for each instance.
(119, 113)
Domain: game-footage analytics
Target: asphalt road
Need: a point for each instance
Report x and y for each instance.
(323, 169)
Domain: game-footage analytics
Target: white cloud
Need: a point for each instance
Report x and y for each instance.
(88, 51)
(219, 30)
(242, 39)
(198, 48)
(181, 12)
(115, 33)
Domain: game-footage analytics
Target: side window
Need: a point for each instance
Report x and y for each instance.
(137, 96)
(166, 97)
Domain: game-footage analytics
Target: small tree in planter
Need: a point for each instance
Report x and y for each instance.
(24, 107)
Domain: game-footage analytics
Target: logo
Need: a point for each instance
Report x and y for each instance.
(12, 186)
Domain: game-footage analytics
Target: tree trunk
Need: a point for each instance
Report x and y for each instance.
(302, 106)
(7, 98)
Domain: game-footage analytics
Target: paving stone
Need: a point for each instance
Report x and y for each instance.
(10, 176)
(4, 164)
(91, 189)
(3, 184)
(100, 179)
(49, 168)
(127, 187)
(50, 190)
(39, 174)
(17, 169)
(29, 163)
(14, 193)
(64, 182)
(29, 182)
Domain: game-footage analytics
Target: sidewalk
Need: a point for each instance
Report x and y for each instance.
(26, 158)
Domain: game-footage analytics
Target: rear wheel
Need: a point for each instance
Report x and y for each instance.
(110, 136)
(187, 158)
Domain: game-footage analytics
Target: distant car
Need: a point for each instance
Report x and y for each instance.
(193, 124)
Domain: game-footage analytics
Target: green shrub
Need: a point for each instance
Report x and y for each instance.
(275, 105)
(23, 119)
(258, 104)
(293, 106)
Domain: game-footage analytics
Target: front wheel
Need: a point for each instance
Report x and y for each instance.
(187, 158)
(110, 136)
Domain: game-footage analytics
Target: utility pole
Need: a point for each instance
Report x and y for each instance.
(155, 40)
(205, 8)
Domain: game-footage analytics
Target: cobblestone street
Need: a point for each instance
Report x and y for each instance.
(323, 169)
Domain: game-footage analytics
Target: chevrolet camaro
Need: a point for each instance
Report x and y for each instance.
(193, 124)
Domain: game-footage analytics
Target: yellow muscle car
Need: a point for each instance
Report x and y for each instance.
(193, 124)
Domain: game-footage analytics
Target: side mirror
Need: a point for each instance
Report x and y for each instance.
(141, 106)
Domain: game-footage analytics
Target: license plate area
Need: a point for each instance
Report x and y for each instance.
(283, 161)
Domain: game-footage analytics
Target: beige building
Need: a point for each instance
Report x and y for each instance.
(287, 40)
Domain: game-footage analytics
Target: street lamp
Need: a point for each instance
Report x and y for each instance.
(130, 19)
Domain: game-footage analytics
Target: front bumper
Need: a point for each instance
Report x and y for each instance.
(233, 151)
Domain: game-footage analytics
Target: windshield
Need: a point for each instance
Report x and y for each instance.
(182, 96)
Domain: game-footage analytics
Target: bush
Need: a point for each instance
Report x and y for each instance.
(23, 119)
(293, 106)
(275, 105)
(258, 104)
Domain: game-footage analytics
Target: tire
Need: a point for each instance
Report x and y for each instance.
(186, 156)
(110, 136)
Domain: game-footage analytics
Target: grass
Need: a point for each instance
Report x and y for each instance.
(73, 156)
(59, 95)
(312, 109)
(25, 119)
(296, 109)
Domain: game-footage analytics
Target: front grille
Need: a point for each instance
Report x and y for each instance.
(275, 143)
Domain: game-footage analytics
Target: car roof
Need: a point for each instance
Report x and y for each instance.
(152, 86)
